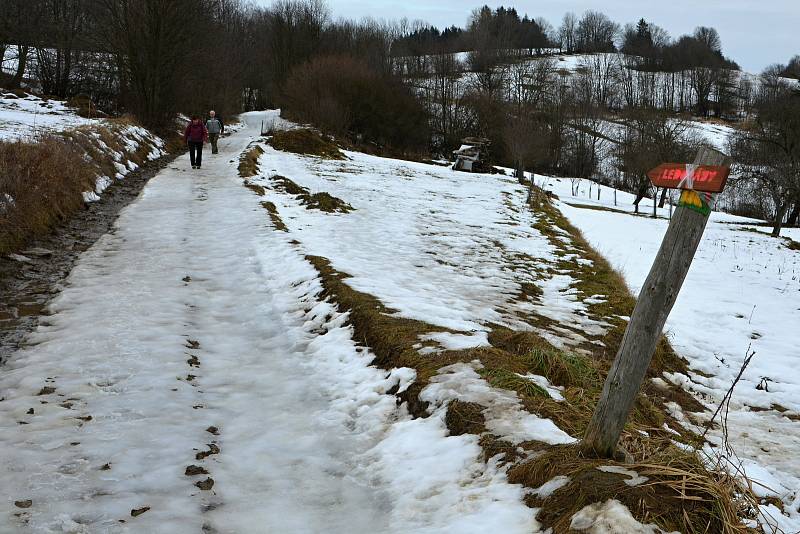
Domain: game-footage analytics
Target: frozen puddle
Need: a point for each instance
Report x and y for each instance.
(191, 336)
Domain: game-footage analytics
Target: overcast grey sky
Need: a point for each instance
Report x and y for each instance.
(755, 33)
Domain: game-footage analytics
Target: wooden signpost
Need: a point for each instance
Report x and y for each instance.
(706, 175)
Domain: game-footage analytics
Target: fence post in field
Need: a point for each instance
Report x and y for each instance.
(657, 296)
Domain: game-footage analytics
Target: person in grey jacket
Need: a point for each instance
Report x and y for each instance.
(215, 128)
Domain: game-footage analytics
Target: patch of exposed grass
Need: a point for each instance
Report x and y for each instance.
(248, 161)
(599, 278)
(504, 379)
(255, 188)
(274, 216)
(328, 203)
(40, 192)
(562, 368)
(465, 418)
(681, 494)
(320, 201)
(307, 142)
(286, 185)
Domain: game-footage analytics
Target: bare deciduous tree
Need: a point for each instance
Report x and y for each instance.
(767, 150)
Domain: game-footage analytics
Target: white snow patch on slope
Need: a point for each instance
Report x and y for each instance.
(26, 117)
(448, 248)
(634, 479)
(551, 486)
(505, 416)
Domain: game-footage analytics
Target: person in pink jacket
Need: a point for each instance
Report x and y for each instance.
(195, 136)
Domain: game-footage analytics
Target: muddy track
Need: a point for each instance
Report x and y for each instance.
(27, 284)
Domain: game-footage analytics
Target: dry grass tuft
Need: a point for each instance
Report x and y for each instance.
(320, 201)
(255, 188)
(274, 216)
(248, 162)
(306, 141)
(46, 179)
(681, 494)
(465, 418)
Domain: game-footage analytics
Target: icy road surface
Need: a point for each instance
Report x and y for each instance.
(192, 336)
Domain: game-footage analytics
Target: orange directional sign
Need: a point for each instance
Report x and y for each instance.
(705, 178)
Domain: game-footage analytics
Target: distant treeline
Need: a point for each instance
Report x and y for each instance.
(399, 88)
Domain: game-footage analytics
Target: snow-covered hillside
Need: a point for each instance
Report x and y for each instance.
(25, 117)
(108, 144)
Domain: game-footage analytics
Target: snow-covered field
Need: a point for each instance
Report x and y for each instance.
(30, 116)
(742, 294)
(420, 240)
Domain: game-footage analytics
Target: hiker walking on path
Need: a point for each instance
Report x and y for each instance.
(195, 135)
(215, 129)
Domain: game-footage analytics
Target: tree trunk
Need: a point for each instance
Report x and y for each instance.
(777, 224)
(22, 63)
(794, 215)
(645, 327)
(663, 198)
(639, 197)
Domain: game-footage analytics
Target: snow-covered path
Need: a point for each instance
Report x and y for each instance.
(191, 273)
(192, 336)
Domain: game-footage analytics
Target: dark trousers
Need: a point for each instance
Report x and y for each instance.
(196, 153)
(213, 138)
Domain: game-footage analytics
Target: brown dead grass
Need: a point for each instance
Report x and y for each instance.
(274, 216)
(248, 162)
(681, 494)
(46, 178)
(45, 181)
(307, 142)
(465, 418)
(319, 201)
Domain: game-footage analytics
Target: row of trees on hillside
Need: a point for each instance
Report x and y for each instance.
(398, 86)
(155, 58)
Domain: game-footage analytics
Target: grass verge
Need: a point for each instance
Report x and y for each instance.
(248, 162)
(678, 493)
(41, 183)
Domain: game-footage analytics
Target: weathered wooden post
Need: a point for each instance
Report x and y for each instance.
(707, 175)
